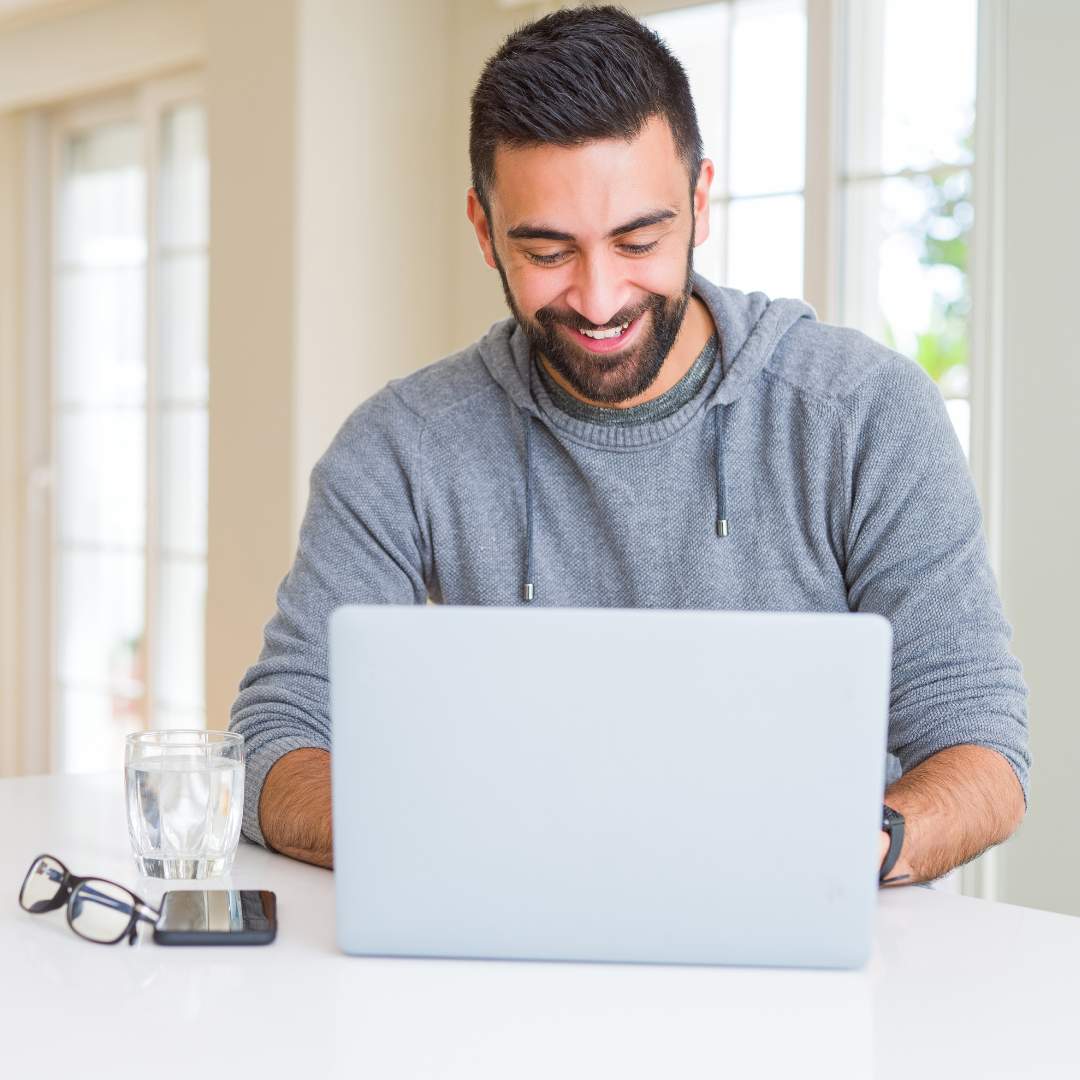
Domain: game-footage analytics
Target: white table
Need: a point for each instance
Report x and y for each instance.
(956, 988)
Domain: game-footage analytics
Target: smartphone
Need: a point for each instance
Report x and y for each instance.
(217, 917)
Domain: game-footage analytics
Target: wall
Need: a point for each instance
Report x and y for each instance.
(252, 129)
(66, 53)
(1041, 500)
(372, 208)
(328, 267)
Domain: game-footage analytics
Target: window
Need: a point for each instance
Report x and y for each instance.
(907, 183)
(746, 61)
(901, 182)
(128, 420)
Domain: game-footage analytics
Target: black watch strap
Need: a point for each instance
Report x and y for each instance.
(892, 821)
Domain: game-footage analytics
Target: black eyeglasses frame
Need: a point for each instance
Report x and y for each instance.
(65, 896)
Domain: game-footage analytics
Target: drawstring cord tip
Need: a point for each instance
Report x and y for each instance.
(527, 592)
(721, 527)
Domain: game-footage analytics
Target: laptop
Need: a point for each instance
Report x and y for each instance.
(649, 786)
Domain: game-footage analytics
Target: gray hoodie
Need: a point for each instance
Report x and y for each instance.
(815, 470)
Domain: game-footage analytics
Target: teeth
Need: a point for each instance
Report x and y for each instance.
(600, 335)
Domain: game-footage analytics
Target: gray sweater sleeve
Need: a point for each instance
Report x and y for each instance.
(916, 553)
(361, 542)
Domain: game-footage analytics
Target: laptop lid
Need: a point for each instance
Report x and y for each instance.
(606, 784)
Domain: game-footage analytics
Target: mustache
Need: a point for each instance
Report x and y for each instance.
(548, 317)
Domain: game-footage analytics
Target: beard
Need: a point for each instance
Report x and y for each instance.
(608, 378)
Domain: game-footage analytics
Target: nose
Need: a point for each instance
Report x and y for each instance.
(599, 291)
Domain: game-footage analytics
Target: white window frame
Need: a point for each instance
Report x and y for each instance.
(45, 131)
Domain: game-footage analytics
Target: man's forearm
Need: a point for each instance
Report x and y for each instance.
(294, 808)
(956, 804)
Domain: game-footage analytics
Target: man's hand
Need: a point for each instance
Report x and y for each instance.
(294, 808)
(956, 804)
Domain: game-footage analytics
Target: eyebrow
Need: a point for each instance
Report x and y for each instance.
(545, 232)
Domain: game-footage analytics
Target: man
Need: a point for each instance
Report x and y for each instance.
(636, 436)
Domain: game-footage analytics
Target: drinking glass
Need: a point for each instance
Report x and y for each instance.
(185, 800)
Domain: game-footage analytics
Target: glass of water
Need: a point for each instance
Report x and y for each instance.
(185, 800)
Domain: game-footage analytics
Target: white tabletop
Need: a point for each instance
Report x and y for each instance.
(955, 988)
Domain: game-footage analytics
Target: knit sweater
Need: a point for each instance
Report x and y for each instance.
(814, 470)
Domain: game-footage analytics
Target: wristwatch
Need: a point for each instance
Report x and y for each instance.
(892, 822)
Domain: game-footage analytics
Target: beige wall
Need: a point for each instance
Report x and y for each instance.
(96, 46)
(1041, 499)
(373, 298)
(251, 103)
(479, 27)
(328, 278)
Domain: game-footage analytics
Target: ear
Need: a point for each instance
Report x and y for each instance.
(701, 201)
(475, 213)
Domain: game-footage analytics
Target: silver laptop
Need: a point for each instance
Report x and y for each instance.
(698, 787)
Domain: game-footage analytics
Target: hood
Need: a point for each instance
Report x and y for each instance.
(750, 326)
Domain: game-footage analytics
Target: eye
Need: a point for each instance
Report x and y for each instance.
(544, 260)
(640, 249)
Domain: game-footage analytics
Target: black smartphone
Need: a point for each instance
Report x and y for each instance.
(217, 917)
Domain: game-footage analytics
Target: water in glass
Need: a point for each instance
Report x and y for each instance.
(184, 809)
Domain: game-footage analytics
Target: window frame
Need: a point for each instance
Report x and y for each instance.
(45, 132)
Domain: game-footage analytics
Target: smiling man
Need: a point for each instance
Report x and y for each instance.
(637, 436)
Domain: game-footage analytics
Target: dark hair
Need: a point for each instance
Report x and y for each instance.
(573, 76)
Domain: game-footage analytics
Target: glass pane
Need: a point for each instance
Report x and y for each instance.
(765, 245)
(182, 431)
(100, 621)
(698, 37)
(960, 415)
(911, 83)
(185, 178)
(913, 235)
(92, 726)
(182, 328)
(101, 479)
(768, 97)
(182, 617)
(100, 346)
(183, 480)
(102, 197)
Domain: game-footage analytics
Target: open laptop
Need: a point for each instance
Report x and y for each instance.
(696, 787)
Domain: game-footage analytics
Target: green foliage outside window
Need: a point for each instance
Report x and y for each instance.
(943, 232)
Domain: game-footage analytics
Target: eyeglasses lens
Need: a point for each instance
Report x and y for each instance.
(42, 885)
(100, 910)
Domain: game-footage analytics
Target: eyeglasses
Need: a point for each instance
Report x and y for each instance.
(97, 910)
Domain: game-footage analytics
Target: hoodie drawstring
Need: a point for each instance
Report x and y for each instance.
(721, 507)
(527, 590)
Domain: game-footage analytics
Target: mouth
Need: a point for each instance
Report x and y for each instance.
(610, 339)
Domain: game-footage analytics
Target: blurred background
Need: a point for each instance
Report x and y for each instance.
(224, 223)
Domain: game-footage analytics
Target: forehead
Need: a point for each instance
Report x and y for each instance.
(586, 190)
